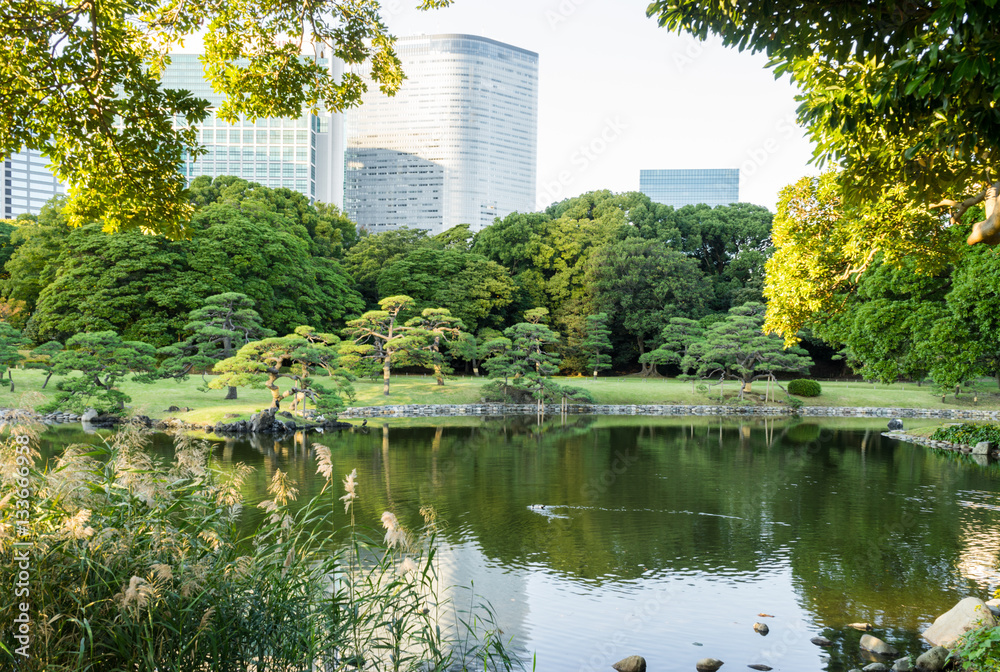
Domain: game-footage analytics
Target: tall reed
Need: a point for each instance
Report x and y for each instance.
(140, 564)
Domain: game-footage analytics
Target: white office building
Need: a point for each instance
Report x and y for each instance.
(304, 154)
(27, 183)
(456, 145)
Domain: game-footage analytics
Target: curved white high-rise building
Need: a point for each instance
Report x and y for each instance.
(456, 145)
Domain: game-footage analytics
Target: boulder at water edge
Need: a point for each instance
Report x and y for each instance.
(875, 667)
(631, 664)
(89, 415)
(933, 660)
(876, 645)
(901, 664)
(895, 424)
(969, 614)
(708, 664)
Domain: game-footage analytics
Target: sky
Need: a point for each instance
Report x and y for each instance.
(617, 94)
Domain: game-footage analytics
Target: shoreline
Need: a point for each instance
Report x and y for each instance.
(452, 410)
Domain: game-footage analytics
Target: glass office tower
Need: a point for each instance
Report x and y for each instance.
(712, 186)
(27, 183)
(304, 154)
(456, 145)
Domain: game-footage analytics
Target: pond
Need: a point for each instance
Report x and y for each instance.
(598, 538)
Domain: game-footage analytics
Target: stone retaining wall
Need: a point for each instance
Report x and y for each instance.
(443, 410)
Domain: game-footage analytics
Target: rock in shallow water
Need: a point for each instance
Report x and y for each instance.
(761, 628)
(876, 645)
(821, 641)
(933, 660)
(631, 664)
(969, 614)
(708, 664)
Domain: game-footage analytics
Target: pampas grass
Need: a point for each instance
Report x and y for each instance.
(139, 564)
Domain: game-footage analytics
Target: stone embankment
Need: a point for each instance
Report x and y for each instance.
(983, 449)
(442, 410)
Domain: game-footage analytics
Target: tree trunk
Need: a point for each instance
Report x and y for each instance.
(46, 380)
(386, 366)
(231, 392)
(647, 369)
(475, 369)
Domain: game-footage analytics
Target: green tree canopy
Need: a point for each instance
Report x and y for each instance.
(81, 85)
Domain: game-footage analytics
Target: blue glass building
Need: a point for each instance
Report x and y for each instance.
(304, 154)
(691, 186)
(28, 183)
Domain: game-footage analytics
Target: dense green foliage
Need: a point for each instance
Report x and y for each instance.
(246, 239)
(968, 434)
(637, 262)
(804, 387)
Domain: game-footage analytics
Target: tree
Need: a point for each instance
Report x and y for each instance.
(41, 358)
(225, 322)
(34, 261)
(892, 91)
(824, 244)
(261, 364)
(897, 94)
(83, 88)
(473, 288)
(677, 346)
(731, 244)
(738, 349)
(524, 359)
(597, 340)
(103, 360)
(374, 253)
(10, 356)
(437, 326)
(379, 336)
(641, 284)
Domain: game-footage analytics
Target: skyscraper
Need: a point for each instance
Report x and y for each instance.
(456, 145)
(27, 183)
(304, 154)
(689, 186)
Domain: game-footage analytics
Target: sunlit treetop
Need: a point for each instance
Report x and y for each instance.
(79, 82)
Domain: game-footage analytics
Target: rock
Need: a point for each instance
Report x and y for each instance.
(761, 628)
(875, 667)
(895, 424)
(933, 660)
(231, 415)
(762, 668)
(821, 641)
(89, 415)
(969, 614)
(631, 664)
(982, 448)
(876, 645)
(863, 627)
(901, 664)
(994, 606)
(708, 664)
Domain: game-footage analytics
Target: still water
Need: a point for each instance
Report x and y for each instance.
(598, 538)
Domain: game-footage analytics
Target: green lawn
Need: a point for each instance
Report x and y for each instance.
(153, 400)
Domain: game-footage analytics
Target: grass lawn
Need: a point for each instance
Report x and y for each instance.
(153, 400)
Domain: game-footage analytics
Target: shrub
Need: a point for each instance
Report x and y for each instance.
(139, 564)
(980, 649)
(496, 392)
(803, 387)
(968, 434)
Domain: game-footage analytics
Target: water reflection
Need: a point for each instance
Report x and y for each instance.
(599, 538)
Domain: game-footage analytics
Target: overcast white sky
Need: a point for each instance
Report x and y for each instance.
(617, 93)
